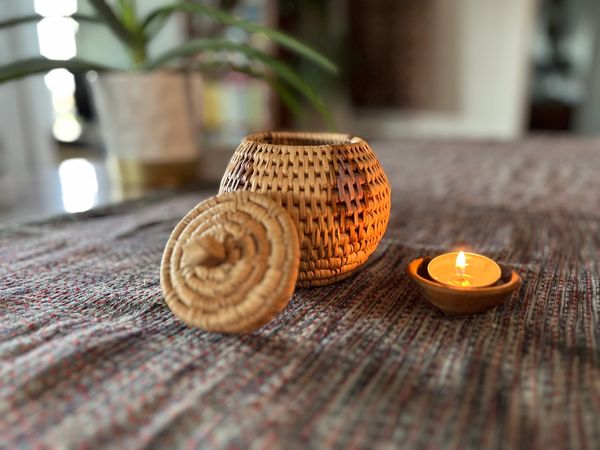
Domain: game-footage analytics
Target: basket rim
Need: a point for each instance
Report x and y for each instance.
(338, 140)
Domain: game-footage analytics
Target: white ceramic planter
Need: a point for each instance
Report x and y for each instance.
(149, 117)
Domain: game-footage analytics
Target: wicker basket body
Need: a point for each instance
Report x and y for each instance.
(333, 187)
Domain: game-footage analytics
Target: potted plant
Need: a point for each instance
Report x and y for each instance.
(146, 110)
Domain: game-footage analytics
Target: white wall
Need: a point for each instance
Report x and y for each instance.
(589, 117)
(25, 109)
(26, 142)
(490, 60)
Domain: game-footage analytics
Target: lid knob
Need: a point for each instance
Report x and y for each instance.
(203, 251)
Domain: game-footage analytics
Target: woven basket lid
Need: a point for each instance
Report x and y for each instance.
(231, 263)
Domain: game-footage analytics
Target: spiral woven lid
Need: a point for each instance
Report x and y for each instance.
(231, 263)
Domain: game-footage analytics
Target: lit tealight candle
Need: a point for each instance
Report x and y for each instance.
(464, 269)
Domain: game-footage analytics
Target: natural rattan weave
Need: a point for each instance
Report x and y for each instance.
(333, 187)
(231, 263)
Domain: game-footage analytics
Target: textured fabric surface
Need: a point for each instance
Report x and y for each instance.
(90, 357)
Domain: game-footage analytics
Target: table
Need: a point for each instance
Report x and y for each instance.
(91, 357)
(84, 179)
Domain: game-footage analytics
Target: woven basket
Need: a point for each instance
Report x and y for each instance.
(333, 187)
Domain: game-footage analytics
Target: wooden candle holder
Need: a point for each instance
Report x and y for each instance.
(458, 300)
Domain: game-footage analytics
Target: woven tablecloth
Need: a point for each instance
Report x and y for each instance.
(90, 356)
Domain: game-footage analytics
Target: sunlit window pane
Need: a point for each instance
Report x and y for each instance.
(55, 8)
(63, 105)
(56, 37)
(78, 183)
(66, 128)
(61, 82)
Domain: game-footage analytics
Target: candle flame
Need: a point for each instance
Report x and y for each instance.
(461, 263)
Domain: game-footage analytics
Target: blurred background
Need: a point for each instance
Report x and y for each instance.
(411, 69)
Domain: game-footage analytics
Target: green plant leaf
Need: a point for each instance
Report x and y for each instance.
(128, 15)
(113, 22)
(126, 28)
(34, 18)
(151, 29)
(25, 67)
(282, 70)
(228, 19)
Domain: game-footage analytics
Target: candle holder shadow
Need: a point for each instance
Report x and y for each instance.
(458, 300)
